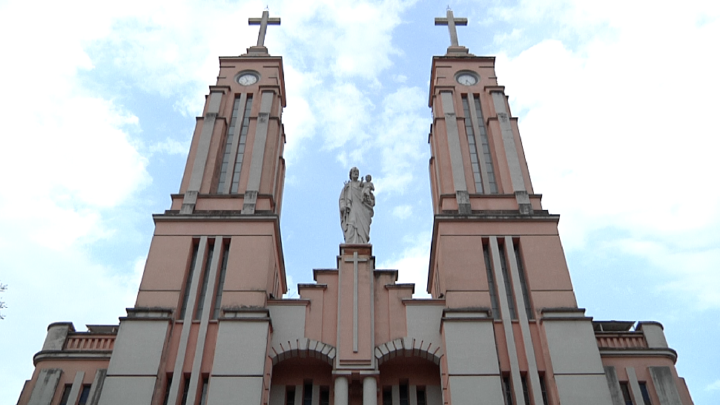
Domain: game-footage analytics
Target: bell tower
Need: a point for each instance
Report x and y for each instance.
(496, 256)
(216, 255)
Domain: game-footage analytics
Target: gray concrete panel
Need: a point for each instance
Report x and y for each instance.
(433, 395)
(234, 390)
(614, 386)
(96, 387)
(665, 385)
(76, 386)
(203, 147)
(138, 348)
(476, 390)
(423, 324)
(453, 138)
(513, 159)
(258, 153)
(277, 395)
(241, 348)
(583, 389)
(127, 390)
(573, 348)
(261, 132)
(288, 324)
(470, 348)
(634, 385)
(45, 386)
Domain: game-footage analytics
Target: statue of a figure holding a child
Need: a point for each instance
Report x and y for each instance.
(356, 207)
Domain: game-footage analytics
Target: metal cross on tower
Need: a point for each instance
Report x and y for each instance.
(451, 22)
(263, 23)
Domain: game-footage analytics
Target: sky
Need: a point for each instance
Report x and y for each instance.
(616, 103)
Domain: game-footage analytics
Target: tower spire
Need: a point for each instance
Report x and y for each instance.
(452, 22)
(263, 23)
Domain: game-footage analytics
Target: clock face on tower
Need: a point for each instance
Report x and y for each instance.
(247, 78)
(466, 78)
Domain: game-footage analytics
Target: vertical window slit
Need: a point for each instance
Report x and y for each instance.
(241, 146)
(472, 143)
(188, 282)
(491, 282)
(486, 148)
(221, 281)
(523, 281)
(205, 282)
(228, 145)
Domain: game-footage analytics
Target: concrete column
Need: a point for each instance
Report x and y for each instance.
(76, 387)
(56, 334)
(341, 390)
(369, 391)
(45, 386)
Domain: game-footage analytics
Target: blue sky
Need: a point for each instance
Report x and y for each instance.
(616, 102)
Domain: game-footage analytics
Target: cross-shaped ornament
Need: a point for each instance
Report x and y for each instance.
(355, 260)
(263, 23)
(451, 22)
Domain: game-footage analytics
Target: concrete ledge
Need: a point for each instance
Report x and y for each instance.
(71, 355)
(667, 353)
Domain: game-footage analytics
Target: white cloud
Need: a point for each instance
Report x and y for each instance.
(412, 263)
(170, 146)
(715, 386)
(403, 211)
(401, 124)
(623, 128)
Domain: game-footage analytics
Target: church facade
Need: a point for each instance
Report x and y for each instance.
(209, 325)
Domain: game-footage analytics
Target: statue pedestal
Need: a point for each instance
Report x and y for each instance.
(355, 340)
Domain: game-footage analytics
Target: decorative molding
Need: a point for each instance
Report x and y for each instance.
(408, 347)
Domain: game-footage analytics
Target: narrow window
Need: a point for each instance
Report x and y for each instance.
(307, 393)
(324, 395)
(188, 282)
(84, 394)
(421, 399)
(523, 282)
(508, 284)
(203, 289)
(491, 282)
(404, 394)
(203, 394)
(645, 393)
(507, 390)
(626, 393)
(221, 281)
(167, 389)
(241, 146)
(525, 389)
(290, 395)
(228, 145)
(543, 390)
(472, 146)
(65, 394)
(186, 388)
(487, 156)
(387, 396)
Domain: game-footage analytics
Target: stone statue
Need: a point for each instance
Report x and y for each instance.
(356, 207)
